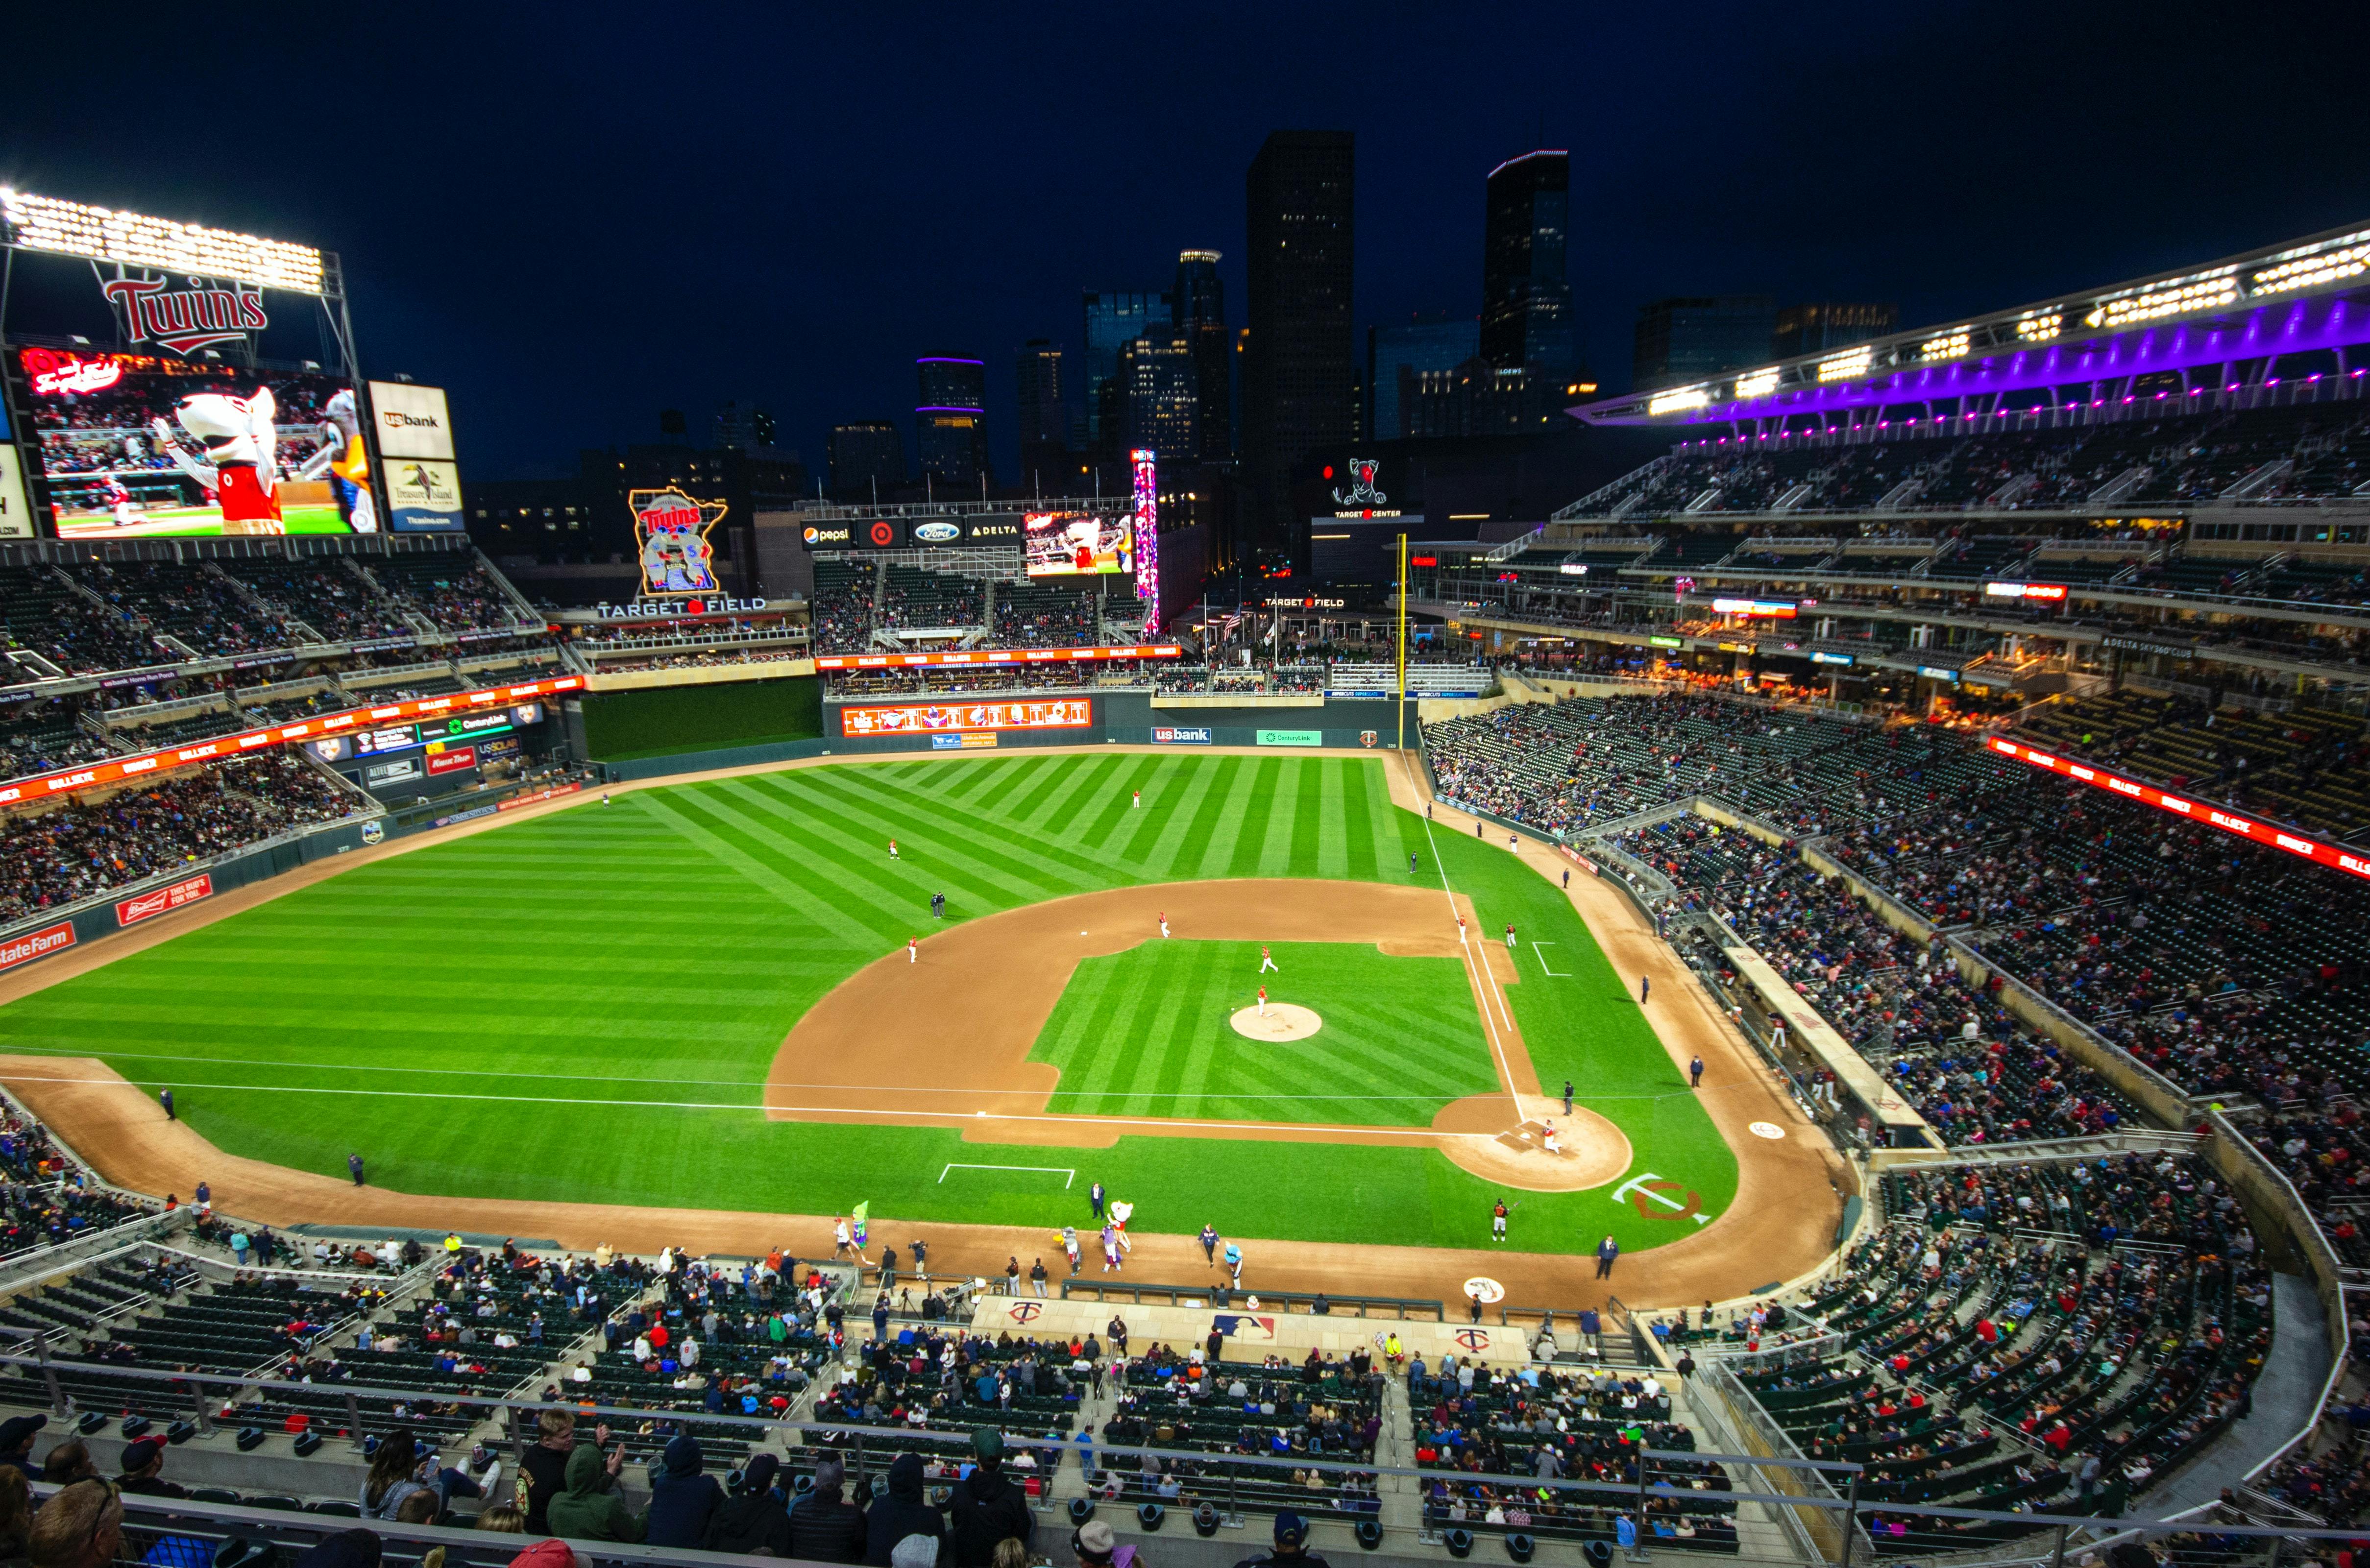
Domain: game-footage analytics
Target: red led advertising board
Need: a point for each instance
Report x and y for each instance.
(157, 900)
(1007, 655)
(1069, 713)
(2319, 852)
(118, 768)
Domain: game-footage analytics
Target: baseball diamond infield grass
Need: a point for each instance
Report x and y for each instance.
(1145, 1032)
(585, 1006)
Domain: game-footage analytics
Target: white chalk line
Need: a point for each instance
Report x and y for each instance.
(1483, 984)
(1068, 1172)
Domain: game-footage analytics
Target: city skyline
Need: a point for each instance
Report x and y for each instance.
(568, 265)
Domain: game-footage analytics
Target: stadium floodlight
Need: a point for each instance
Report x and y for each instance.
(2311, 271)
(1759, 384)
(2216, 289)
(41, 223)
(1844, 366)
(1946, 346)
(2039, 327)
(1674, 401)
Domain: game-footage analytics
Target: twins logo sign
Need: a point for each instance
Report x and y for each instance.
(1647, 1188)
(672, 530)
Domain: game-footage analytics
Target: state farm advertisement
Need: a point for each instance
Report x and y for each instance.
(157, 901)
(36, 944)
(1069, 713)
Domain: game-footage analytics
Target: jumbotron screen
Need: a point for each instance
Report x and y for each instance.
(1072, 543)
(137, 445)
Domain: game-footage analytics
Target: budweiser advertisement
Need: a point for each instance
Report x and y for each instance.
(998, 656)
(209, 395)
(1069, 713)
(157, 901)
(2319, 852)
(117, 770)
(34, 944)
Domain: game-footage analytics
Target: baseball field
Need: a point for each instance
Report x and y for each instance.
(702, 996)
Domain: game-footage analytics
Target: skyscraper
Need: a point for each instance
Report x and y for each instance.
(866, 455)
(1689, 338)
(1160, 382)
(1526, 321)
(950, 422)
(1198, 307)
(1299, 217)
(1399, 355)
(1112, 317)
(1823, 325)
(738, 428)
(1044, 423)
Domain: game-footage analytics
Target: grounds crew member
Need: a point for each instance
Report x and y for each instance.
(988, 1508)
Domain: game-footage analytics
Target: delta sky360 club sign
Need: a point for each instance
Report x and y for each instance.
(671, 529)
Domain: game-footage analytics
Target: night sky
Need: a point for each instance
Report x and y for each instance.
(575, 216)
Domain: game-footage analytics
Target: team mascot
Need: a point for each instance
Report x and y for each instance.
(242, 448)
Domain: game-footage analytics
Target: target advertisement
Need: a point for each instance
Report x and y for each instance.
(934, 718)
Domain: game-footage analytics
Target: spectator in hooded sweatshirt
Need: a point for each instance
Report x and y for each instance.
(546, 1464)
(900, 1513)
(824, 1526)
(587, 1510)
(988, 1507)
(752, 1519)
(684, 1498)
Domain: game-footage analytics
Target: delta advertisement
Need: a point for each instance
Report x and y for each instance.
(907, 533)
(175, 380)
(1067, 712)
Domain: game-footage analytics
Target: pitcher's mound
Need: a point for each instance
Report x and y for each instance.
(1283, 1022)
(1504, 1140)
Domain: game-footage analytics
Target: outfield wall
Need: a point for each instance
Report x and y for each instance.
(1139, 718)
(653, 723)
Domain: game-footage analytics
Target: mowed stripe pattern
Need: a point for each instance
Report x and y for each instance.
(661, 948)
(1145, 1032)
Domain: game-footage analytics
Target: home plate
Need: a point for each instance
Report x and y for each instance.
(1281, 1021)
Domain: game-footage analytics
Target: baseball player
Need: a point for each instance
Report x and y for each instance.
(1267, 963)
(1498, 1220)
(892, 849)
(1554, 1144)
(1515, 842)
(1136, 800)
(1510, 936)
(1164, 922)
(1411, 863)
(912, 950)
(1263, 1002)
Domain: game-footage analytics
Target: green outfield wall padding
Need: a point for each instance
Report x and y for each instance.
(621, 725)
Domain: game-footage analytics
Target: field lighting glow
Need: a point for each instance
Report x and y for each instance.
(41, 223)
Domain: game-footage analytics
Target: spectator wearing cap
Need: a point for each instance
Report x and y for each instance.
(80, 1527)
(1291, 1546)
(825, 1527)
(916, 1552)
(988, 1507)
(752, 1520)
(16, 1441)
(143, 1463)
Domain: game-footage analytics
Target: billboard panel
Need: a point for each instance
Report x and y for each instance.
(15, 503)
(412, 421)
(670, 531)
(1069, 544)
(1067, 712)
(422, 496)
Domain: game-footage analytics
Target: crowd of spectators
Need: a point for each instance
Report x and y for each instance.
(85, 847)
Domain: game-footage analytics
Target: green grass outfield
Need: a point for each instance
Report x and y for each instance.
(1145, 1032)
(160, 522)
(584, 1006)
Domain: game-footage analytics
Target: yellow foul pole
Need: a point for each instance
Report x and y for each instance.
(1402, 690)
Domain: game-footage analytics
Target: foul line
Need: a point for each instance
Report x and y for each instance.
(1067, 1172)
(1483, 984)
